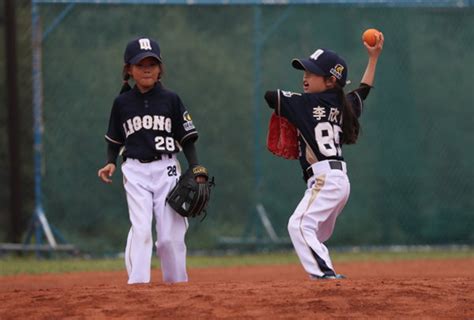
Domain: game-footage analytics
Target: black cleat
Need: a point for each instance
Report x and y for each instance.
(328, 277)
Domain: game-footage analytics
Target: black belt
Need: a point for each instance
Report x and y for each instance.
(157, 157)
(336, 165)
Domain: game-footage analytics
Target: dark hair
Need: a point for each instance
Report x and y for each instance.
(350, 122)
(125, 77)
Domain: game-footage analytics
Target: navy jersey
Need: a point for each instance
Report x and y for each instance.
(148, 124)
(318, 118)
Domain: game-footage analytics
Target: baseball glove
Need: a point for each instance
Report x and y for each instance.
(282, 139)
(190, 198)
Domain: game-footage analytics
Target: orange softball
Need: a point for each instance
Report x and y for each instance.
(370, 36)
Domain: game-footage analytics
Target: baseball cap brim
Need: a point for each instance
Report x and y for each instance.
(308, 65)
(141, 56)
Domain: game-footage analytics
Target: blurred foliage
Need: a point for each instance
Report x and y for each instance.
(411, 174)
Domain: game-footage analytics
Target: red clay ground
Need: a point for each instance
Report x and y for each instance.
(399, 290)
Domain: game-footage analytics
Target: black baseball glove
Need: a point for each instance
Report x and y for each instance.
(190, 198)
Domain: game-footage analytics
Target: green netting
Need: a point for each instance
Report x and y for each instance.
(411, 172)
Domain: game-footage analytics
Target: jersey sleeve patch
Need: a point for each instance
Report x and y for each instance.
(183, 126)
(188, 122)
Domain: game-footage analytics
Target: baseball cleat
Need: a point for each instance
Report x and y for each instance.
(327, 277)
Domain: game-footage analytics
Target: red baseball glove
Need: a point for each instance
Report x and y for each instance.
(282, 139)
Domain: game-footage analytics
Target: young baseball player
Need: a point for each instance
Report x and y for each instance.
(325, 118)
(148, 125)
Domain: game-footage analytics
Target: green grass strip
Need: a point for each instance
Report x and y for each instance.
(30, 265)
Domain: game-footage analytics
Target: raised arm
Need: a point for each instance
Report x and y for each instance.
(374, 53)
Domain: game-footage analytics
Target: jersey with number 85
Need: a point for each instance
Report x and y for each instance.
(318, 118)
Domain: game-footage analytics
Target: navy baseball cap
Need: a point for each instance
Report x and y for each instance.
(141, 48)
(324, 63)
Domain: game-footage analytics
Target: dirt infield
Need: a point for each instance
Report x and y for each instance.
(403, 289)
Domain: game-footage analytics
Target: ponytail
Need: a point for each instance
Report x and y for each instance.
(125, 76)
(350, 122)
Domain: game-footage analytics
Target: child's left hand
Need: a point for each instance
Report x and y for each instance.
(377, 48)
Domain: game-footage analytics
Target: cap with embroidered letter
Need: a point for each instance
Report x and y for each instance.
(141, 48)
(324, 63)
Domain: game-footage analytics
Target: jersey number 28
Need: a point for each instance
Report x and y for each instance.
(328, 137)
(164, 143)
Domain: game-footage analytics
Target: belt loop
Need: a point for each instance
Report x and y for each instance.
(335, 165)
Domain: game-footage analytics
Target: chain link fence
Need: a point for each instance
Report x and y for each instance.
(411, 175)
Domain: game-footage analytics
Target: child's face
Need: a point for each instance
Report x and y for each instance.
(145, 73)
(313, 83)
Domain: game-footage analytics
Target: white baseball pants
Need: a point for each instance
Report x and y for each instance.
(146, 186)
(312, 222)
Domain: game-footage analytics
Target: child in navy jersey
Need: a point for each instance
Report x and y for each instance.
(148, 126)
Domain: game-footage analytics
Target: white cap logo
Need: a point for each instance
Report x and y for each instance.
(144, 44)
(316, 54)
